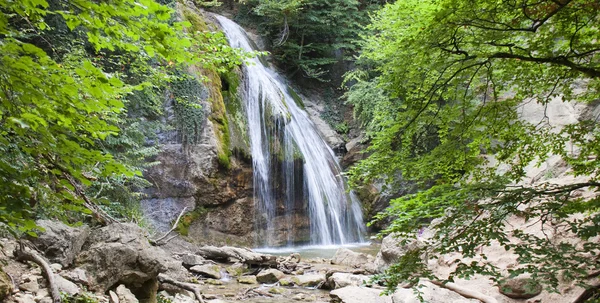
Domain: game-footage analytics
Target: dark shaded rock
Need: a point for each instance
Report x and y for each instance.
(519, 288)
(59, 242)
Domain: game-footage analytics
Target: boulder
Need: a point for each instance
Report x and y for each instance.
(308, 280)
(30, 286)
(391, 250)
(269, 276)
(6, 285)
(112, 296)
(59, 242)
(76, 275)
(125, 295)
(519, 288)
(207, 270)
(247, 280)
(190, 260)
(355, 294)
(24, 298)
(121, 254)
(237, 269)
(66, 286)
(342, 279)
(344, 256)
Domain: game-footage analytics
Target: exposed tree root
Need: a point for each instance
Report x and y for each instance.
(21, 254)
(467, 293)
(162, 278)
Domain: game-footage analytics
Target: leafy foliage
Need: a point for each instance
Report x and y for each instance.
(308, 36)
(441, 93)
(65, 131)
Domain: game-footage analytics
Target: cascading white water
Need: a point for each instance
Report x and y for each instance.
(289, 155)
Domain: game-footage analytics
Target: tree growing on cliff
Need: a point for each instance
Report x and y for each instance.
(307, 34)
(66, 70)
(451, 79)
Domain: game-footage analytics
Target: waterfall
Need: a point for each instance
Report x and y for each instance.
(295, 171)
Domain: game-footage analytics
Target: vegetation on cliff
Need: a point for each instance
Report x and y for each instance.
(440, 91)
(81, 82)
(308, 37)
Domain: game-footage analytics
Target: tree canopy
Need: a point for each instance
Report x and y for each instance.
(439, 87)
(69, 71)
(309, 36)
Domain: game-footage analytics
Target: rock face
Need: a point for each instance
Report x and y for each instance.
(354, 294)
(60, 243)
(211, 176)
(519, 288)
(120, 254)
(344, 256)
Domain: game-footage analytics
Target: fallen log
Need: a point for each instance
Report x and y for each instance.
(467, 293)
(244, 255)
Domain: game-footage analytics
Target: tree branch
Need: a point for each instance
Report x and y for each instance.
(467, 293)
(162, 278)
(155, 242)
(559, 60)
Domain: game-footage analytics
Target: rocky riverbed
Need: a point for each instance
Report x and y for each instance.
(120, 263)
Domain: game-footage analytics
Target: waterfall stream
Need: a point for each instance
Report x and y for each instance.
(295, 171)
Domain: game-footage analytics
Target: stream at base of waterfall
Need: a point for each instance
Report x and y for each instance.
(296, 174)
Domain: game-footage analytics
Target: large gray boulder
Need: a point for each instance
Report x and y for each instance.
(355, 294)
(269, 276)
(344, 256)
(343, 279)
(207, 270)
(121, 254)
(392, 249)
(59, 242)
(308, 280)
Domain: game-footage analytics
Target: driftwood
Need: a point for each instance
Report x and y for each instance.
(21, 254)
(467, 293)
(162, 278)
(246, 256)
(156, 241)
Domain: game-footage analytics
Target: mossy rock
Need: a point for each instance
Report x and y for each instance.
(6, 285)
(519, 288)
